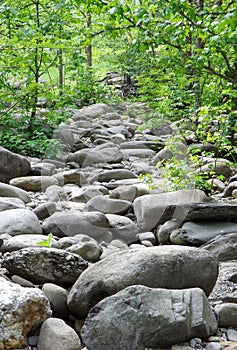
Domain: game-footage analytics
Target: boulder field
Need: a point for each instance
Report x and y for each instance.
(96, 253)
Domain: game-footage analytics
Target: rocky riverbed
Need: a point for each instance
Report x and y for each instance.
(95, 254)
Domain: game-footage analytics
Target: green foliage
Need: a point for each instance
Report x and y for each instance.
(46, 242)
(148, 180)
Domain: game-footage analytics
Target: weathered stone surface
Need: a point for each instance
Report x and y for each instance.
(55, 334)
(44, 210)
(148, 318)
(90, 157)
(95, 110)
(74, 176)
(211, 211)
(18, 221)
(24, 241)
(172, 267)
(34, 183)
(22, 311)
(164, 231)
(42, 168)
(122, 228)
(93, 224)
(12, 165)
(223, 246)
(230, 188)
(57, 297)
(128, 193)
(138, 153)
(85, 193)
(226, 314)
(198, 233)
(108, 175)
(83, 245)
(55, 193)
(8, 203)
(41, 265)
(107, 205)
(152, 210)
(15, 192)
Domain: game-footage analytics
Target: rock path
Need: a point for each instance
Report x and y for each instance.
(95, 254)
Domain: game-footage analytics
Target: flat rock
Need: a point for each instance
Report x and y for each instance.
(211, 211)
(10, 203)
(148, 318)
(42, 265)
(118, 174)
(223, 246)
(198, 233)
(172, 267)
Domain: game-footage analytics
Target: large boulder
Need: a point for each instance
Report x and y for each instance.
(107, 205)
(22, 312)
(19, 221)
(152, 210)
(12, 165)
(173, 267)
(122, 228)
(148, 318)
(41, 265)
(93, 224)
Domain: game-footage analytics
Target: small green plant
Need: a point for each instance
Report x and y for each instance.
(46, 242)
(148, 180)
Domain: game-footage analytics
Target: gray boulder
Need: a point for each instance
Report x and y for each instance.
(197, 233)
(19, 221)
(95, 110)
(152, 210)
(118, 174)
(12, 165)
(173, 267)
(89, 157)
(83, 194)
(57, 297)
(226, 314)
(148, 318)
(34, 183)
(223, 246)
(83, 245)
(93, 224)
(10, 203)
(122, 228)
(15, 192)
(107, 205)
(24, 241)
(22, 311)
(42, 265)
(55, 334)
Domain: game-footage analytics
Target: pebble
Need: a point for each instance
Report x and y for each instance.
(213, 346)
(232, 335)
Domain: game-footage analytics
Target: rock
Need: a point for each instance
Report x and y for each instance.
(148, 318)
(223, 246)
(55, 334)
(175, 149)
(57, 297)
(219, 167)
(173, 267)
(226, 314)
(122, 228)
(65, 135)
(128, 193)
(147, 236)
(12, 165)
(90, 157)
(107, 205)
(22, 312)
(137, 153)
(44, 210)
(45, 265)
(8, 203)
(12, 191)
(213, 346)
(85, 193)
(74, 176)
(232, 335)
(230, 188)
(118, 174)
(164, 231)
(42, 168)
(197, 233)
(19, 221)
(211, 211)
(95, 110)
(34, 183)
(85, 246)
(93, 224)
(24, 241)
(56, 193)
(152, 210)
